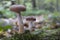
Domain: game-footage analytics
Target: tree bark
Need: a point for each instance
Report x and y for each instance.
(57, 5)
(34, 4)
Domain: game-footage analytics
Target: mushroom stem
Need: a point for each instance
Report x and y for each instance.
(20, 23)
(30, 25)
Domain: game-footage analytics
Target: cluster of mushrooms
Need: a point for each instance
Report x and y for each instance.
(18, 9)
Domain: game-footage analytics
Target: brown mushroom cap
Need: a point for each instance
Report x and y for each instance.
(31, 19)
(17, 8)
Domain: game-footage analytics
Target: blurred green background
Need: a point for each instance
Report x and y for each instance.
(34, 7)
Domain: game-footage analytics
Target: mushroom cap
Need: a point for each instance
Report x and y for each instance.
(31, 19)
(17, 8)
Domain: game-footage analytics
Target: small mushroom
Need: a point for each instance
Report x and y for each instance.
(18, 9)
(31, 20)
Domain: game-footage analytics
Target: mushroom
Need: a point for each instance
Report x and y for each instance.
(18, 9)
(31, 20)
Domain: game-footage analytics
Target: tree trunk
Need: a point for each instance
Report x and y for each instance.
(57, 5)
(34, 4)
